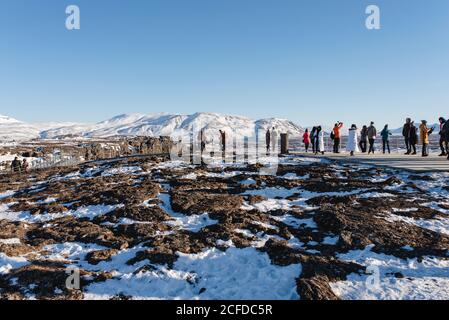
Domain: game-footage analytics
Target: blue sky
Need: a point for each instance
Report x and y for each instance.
(311, 61)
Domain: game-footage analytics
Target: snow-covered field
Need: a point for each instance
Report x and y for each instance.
(168, 230)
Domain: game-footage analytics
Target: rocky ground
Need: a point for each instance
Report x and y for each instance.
(150, 228)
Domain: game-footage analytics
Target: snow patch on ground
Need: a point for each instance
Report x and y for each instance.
(223, 175)
(294, 176)
(10, 241)
(190, 176)
(375, 195)
(9, 263)
(428, 279)
(69, 250)
(6, 194)
(233, 274)
(331, 240)
(273, 192)
(82, 212)
(268, 205)
(248, 182)
(439, 225)
(296, 222)
(192, 223)
(121, 170)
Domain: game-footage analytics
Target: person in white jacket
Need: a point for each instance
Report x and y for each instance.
(353, 145)
(274, 139)
(319, 140)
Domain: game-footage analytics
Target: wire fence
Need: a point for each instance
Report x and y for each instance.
(45, 163)
(64, 162)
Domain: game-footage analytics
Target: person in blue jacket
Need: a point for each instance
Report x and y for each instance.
(385, 134)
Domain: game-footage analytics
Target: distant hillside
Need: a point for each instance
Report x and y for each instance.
(12, 129)
(135, 124)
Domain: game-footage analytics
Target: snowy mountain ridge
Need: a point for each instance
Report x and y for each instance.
(12, 129)
(136, 124)
(7, 120)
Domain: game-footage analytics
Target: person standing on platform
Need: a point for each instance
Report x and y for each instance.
(337, 136)
(352, 145)
(406, 134)
(372, 133)
(16, 165)
(413, 138)
(385, 134)
(446, 137)
(424, 133)
(267, 140)
(202, 140)
(274, 139)
(319, 140)
(364, 138)
(223, 140)
(312, 138)
(25, 166)
(306, 140)
(443, 143)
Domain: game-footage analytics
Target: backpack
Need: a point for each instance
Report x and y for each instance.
(332, 135)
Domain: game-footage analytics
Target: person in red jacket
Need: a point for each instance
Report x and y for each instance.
(337, 136)
(306, 139)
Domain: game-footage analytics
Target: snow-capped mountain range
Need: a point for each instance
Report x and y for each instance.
(135, 124)
(12, 129)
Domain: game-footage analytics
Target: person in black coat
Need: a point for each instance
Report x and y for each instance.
(16, 165)
(406, 134)
(268, 140)
(316, 140)
(312, 138)
(446, 136)
(222, 140)
(443, 143)
(413, 138)
(363, 139)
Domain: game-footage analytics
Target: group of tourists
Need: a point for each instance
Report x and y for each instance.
(358, 140)
(271, 139)
(364, 140)
(203, 139)
(368, 135)
(18, 166)
(314, 138)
